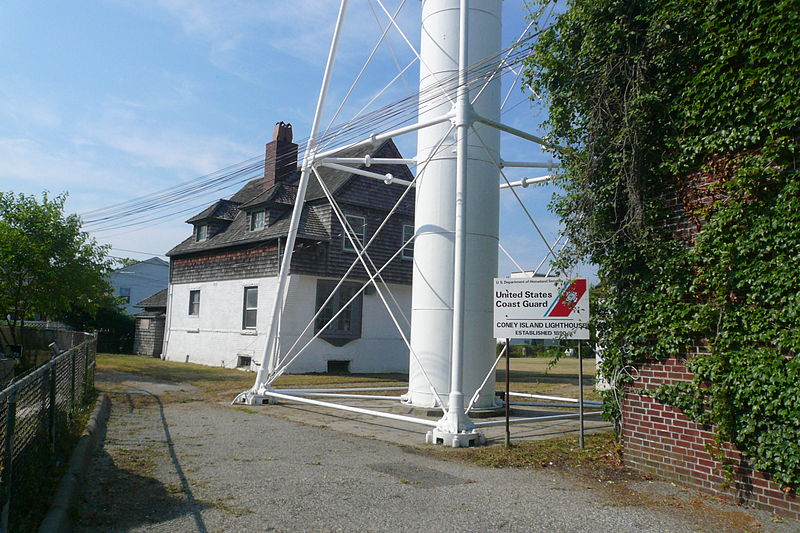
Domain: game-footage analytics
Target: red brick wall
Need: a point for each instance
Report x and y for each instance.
(660, 440)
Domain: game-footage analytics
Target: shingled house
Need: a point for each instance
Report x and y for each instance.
(223, 277)
(149, 336)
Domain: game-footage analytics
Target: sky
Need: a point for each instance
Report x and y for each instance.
(108, 100)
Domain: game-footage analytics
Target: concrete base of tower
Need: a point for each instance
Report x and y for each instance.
(251, 398)
(463, 439)
(408, 409)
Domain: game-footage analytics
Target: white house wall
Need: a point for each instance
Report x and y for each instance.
(215, 336)
(380, 348)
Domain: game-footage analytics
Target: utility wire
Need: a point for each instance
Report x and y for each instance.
(169, 202)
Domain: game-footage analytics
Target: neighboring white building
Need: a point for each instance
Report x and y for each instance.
(223, 278)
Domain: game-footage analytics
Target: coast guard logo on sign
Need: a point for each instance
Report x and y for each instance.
(567, 299)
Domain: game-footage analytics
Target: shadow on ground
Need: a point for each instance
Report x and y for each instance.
(126, 495)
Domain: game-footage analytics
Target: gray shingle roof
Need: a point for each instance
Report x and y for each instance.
(280, 193)
(280, 196)
(220, 210)
(149, 314)
(158, 299)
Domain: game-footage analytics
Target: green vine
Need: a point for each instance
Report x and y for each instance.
(680, 125)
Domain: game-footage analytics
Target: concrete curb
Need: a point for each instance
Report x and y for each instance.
(58, 517)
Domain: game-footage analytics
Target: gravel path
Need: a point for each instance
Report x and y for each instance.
(185, 467)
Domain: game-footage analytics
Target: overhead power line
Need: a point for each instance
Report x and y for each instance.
(172, 201)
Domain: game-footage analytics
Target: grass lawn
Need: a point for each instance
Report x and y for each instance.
(225, 383)
(532, 375)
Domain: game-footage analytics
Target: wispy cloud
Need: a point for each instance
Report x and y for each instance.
(19, 103)
(146, 138)
(173, 150)
(25, 161)
(301, 29)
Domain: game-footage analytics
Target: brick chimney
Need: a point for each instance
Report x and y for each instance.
(281, 155)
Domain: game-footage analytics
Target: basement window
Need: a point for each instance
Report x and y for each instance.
(338, 367)
(346, 326)
(244, 362)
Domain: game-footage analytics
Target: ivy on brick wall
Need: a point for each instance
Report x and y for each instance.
(680, 126)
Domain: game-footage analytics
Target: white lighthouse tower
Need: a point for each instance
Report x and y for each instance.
(434, 324)
(457, 211)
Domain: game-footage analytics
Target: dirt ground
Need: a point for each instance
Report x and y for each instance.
(177, 459)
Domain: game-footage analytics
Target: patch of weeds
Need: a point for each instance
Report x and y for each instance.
(139, 461)
(173, 488)
(229, 509)
(601, 457)
(245, 459)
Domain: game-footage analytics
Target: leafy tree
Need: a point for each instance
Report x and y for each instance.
(115, 327)
(122, 262)
(47, 264)
(687, 110)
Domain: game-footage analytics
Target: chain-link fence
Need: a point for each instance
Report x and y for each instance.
(36, 412)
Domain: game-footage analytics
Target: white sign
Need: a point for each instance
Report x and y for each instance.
(531, 308)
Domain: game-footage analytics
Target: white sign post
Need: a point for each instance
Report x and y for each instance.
(531, 308)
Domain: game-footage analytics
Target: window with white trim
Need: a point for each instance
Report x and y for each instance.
(194, 302)
(257, 220)
(408, 234)
(201, 232)
(347, 324)
(250, 311)
(358, 224)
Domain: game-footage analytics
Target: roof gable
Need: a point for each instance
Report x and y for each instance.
(282, 196)
(158, 299)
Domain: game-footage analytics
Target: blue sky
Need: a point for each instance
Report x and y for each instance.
(112, 99)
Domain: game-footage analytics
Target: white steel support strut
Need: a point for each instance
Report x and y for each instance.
(456, 420)
(272, 348)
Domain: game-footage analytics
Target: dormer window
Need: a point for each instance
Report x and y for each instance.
(257, 220)
(201, 232)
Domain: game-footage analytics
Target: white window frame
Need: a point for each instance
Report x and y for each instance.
(254, 225)
(355, 222)
(194, 305)
(201, 232)
(246, 309)
(408, 251)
